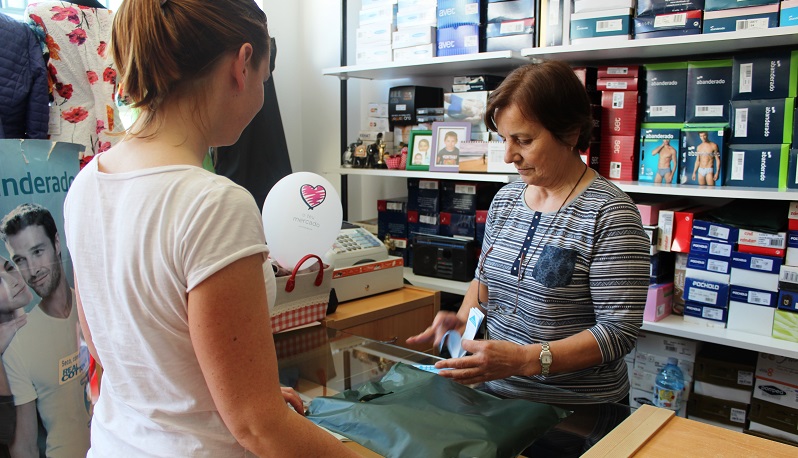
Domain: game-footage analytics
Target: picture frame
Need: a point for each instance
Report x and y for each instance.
(418, 158)
(445, 156)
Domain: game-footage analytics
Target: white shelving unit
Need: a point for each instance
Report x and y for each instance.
(693, 47)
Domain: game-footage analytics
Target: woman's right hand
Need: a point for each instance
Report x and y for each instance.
(443, 322)
(9, 329)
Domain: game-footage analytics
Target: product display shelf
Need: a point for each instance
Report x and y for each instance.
(685, 48)
(688, 46)
(674, 325)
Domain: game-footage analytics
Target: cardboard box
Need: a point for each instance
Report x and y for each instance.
(708, 144)
(707, 315)
(583, 6)
(708, 91)
(709, 247)
(392, 218)
(715, 231)
(422, 223)
(659, 302)
(679, 276)
(508, 28)
(510, 10)
(658, 344)
(684, 21)
(788, 13)
(666, 92)
(414, 53)
(619, 113)
(617, 160)
(722, 392)
(467, 197)
(510, 42)
(706, 292)
(617, 84)
(720, 410)
(777, 368)
(659, 152)
(417, 16)
(452, 13)
(605, 23)
(374, 34)
(652, 7)
(708, 263)
(750, 318)
(683, 227)
(653, 363)
(463, 39)
(759, 121)
(774, 415)
(423, 195)
(755, 17)
(765, 74)
(458, 225)
(758, 166)
(776, 392)
(716, 365)
(612, 71)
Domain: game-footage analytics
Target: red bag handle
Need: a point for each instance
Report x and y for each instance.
(291, 283)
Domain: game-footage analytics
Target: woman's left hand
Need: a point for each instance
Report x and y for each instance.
(489, 360)
(292, 398)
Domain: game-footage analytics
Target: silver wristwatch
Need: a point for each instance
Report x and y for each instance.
(545, 359)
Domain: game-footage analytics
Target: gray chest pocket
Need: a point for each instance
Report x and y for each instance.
(555, 267)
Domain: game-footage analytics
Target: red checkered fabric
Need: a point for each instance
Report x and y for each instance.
(301, 341)
(299, 316)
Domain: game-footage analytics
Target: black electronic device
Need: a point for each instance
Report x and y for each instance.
(444, 257)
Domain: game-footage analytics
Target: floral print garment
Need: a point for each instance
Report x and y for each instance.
(81, 73)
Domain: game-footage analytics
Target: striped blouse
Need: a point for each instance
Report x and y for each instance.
(585, 267)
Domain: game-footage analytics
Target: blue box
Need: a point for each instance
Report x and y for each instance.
(667, 33)
(707, 143)
(715, 231)
(510, 10)
(765, 74)
(594, 24)
(792, 172)
(422, 223)
(452, 13)
(467, 196)
(651, 7)
(756, 262)
(706, 292)
(666, 92)
(762, 121)
(788, 16)
(788, 300)
(464, 39)
(458, 225)
(659, 153)
(508, 28)
(756, 17)
(709, 263)
(423, 195)
(716, 248)
(706, 312)
(686, 20)
(708, 91)
(758, 166)
(715, 5)
(753, 296)
(392, 218)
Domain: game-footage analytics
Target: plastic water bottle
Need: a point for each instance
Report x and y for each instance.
(668, 386)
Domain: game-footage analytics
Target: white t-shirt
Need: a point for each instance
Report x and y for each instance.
(44, 364)
(140, 242)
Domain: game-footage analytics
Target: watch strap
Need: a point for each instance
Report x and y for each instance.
(545, 358)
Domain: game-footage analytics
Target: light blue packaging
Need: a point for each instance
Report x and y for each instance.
(707, 142)
(789, 14)
(757, 17)
(452, 13)
(659, 152)
(715, 5)
(464, 39)
(601, 23)
(758, 166)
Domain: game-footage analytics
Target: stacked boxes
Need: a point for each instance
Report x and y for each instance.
(785, 318)
(708, 274)
(609, 20)
(667, 18)
(377, 22)
(415, 36)
(460, 202)
(722, 387)
(510, 25)
(733, 15)
(459, 29)
(620, 123)
(651, 354)
(774, 407)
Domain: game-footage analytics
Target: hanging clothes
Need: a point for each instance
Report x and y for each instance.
(81, 71)
(23, 82)
(259, 158)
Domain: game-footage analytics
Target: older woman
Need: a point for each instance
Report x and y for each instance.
(564, 267)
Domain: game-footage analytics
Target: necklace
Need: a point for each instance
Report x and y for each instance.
(524, 259)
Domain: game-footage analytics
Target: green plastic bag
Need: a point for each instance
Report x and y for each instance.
(413, 413)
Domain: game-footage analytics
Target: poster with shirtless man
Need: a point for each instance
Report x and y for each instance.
(702, 156)
(659, 153)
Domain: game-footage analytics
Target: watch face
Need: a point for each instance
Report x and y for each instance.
(545, 359)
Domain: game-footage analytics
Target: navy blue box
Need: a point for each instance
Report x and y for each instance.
(667, 33)
(392, 218)
(651, 7)
(699, 291)
(510, 10)
(708, 91)
(463, 39)
(758, 166)
(792, 170)
(715, 5)
(765, 74)
(716, 248)
(716, 231)
(753, 296)
(452, 13)
(666, 92)
(467, 197)
(741, 19)
(762, 121)
(687, 20)
(458, 225)
(423, 195)
(422, 223)
(709, 263)
(788, 300)
(756, 262)
(706, 312)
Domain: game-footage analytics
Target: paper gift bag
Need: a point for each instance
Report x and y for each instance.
(302, 297)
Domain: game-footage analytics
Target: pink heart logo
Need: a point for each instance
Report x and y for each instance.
(313, 196)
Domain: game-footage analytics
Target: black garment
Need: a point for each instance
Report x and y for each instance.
(260, 157)
(8, 423)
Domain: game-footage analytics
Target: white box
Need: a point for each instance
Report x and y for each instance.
(791, 259)
(654, 363)
(414, 36)
(754, 279)
(368, 279)
(762, 239)
(645, 381)
(374, 34)
(373, 54)
(417, 16)
(698, 321)
(371, 136)
(722, 392)
(777, 393)
(376, 124)
(778, 368)
(760, 428)
(496, 162)
(638, 398)
(659, 344)
(414, 53)
(583, 6)
(751, 318)
(381, 14)
(378, 110)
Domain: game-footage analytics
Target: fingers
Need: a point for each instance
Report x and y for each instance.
(443, 322)
(291, 397)
(21, 321)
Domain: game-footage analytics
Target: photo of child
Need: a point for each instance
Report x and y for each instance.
(450, 152)
(446, 139)
(421, 150)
